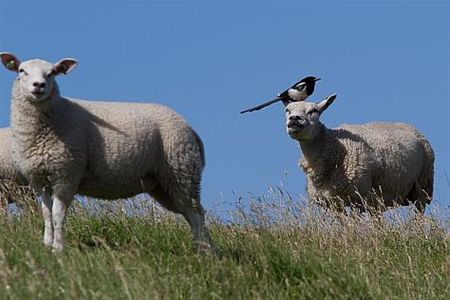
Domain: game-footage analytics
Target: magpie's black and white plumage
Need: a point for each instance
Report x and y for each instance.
(298, 92)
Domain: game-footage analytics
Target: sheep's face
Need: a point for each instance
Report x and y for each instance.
(36, 78)
(302, 120)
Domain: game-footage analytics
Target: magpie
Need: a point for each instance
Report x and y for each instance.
(298, 92)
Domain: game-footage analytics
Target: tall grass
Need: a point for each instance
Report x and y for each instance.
(273, 248)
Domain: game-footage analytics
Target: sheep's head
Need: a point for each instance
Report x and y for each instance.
(36, 77)
(302, 118)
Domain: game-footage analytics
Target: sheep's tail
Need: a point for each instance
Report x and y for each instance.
(185, 157)
(428, 170)
(201, 147)
(426, 178)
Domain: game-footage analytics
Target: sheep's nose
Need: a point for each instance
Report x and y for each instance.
(39, 84)
(294, 118)
(296, 121)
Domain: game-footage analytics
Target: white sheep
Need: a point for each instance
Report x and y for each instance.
(106, 150)
(13, 186)
(371, 166)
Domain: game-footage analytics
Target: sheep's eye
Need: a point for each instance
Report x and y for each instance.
(287, 111)
(311, 111)
(21, 70)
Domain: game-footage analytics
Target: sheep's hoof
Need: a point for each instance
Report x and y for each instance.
(48, 236)
(57, 248)
(204, 248)
(48, 242)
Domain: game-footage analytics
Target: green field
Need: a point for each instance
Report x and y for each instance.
(277, 250)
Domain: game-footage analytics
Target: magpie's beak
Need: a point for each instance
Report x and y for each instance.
(317, 79)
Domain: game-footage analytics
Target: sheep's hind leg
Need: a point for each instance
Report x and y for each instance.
(196, 219)
(47, 214)
(192, 212)
(420, 205)
(187, 202)
(419, 197)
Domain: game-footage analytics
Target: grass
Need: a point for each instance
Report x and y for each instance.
(271, 250)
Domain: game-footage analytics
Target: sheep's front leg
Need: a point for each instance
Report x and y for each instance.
(47, 204)
(59, 210)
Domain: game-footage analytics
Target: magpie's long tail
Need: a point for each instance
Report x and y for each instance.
(258, 107)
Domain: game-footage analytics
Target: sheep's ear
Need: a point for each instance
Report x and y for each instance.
(322, 105)
(10, 61)
(65, 65)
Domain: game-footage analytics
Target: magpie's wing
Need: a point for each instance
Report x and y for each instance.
(297, 86)
(258, 107)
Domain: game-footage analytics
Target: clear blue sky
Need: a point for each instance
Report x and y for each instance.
(387, 61)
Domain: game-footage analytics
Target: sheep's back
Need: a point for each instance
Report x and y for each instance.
(127, 141)
(394, 153)
(8, 169)
(6, 162)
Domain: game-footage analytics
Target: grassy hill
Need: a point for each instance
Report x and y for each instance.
(279, 250)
